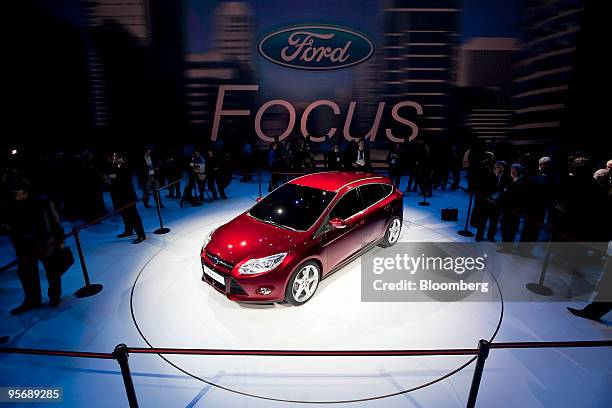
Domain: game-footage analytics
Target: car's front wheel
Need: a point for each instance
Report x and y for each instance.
(392, 233)
(303, 283)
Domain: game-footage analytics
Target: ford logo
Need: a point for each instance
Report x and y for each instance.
(316, 47)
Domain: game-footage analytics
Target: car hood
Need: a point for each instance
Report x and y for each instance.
(245, 237)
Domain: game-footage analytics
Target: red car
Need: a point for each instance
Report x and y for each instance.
(281, 248)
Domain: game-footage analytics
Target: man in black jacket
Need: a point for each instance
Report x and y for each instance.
(540, 193)
(511, 202)
(33, 224)
(213, 175)
(498, 181)
(119, 179)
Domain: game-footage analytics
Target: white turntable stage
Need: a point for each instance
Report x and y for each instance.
(153, 296)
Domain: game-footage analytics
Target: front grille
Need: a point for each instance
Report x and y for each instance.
(218, 261)
(235, 288)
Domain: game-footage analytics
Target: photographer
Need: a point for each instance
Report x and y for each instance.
(197, 177)
(149, 177)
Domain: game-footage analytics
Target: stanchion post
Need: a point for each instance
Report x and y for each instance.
(89, 289)
(259, 178)
(539, 288)
(424, 203)
(465, 232)
(161, 229)
(483, 352)
(121, 355)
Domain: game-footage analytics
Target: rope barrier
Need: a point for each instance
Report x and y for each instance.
(121, 355)
(56, 353)
(305, 353)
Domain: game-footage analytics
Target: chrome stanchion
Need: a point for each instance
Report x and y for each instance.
(89, 289)
(161, 229)
(259, 182)
(539, 288)
(465, 232)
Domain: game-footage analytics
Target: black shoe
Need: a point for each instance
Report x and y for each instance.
(4, 339)
(147, 206)
(125, 234)
(24, 307)
(161, 206)
(583, 313)
(139, 240)
(54, 302)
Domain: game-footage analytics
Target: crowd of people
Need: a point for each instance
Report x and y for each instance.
(37, 192)
(569, 202)
(513, 193)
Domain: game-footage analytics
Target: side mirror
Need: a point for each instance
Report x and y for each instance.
(337, 223)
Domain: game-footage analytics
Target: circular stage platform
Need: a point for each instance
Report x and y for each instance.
(172, 307)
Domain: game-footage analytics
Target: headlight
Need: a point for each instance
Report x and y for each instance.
(253, 266)
(208, 238)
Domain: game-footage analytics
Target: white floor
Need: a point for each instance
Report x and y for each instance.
(174, 309)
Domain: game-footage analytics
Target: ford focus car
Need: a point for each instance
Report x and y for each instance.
(283, 246)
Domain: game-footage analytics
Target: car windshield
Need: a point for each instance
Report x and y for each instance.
(292, 206)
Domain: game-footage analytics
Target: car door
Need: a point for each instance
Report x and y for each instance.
(376, 213)
(341, 243)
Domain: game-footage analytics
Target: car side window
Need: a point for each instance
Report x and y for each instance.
(349, 204)
(371, 193)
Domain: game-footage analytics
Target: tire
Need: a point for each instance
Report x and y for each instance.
(293, 293)
(392, 235)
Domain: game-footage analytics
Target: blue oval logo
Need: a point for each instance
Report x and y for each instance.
(316, 47)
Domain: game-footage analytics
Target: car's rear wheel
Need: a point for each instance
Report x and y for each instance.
(303, 283)
(392, 233)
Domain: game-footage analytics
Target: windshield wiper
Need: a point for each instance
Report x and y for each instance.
(276, 224)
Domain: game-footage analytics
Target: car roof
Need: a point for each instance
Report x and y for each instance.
(334, 180)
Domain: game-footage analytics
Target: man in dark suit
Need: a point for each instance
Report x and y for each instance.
(540, 193)
(498, 182)
(511, 202)
(119, 179)
(482, 185)
(213, 174)
(33, 224)
(396, 166)
(602, 303)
